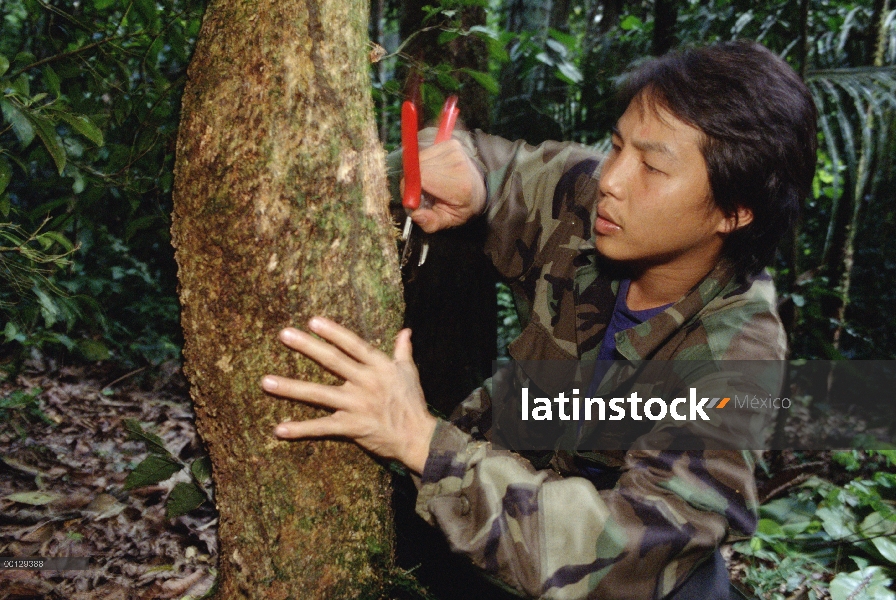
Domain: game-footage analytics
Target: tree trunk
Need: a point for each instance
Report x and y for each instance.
(451, 301)
(519, 111)
(790, 246)
(665, 14)
(862, 178)
(377, 11)
(612, 10)
(802, 50)
(559, 17)
(280, 213)
(597, 107)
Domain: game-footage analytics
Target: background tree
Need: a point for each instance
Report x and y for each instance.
(281, 214)
(451, 310)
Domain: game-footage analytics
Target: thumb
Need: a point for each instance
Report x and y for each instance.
(434, 219)
(425, 219)
(404, 351)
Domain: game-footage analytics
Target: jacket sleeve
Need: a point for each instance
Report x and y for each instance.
(559, 537)
(539, 198)
(527, 215)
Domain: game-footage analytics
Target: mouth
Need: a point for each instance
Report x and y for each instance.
(604, 224)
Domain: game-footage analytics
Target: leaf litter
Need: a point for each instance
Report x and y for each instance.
(62, 491)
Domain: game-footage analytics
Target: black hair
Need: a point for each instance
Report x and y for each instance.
(759, 135)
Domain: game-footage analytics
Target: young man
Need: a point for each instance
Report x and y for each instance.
(656, 254)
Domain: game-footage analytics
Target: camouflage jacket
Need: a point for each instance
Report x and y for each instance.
(544, 531)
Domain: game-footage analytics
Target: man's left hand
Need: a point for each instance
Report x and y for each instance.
(380, 406)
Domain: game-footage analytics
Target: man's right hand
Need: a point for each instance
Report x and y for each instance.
(454, 185)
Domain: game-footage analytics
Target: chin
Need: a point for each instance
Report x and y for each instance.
(606, 248)
(624, 257)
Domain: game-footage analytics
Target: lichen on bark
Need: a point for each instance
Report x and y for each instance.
(281, 214)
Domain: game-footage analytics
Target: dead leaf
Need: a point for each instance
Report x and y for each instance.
(40, 534)
(33, 498)
(105, 506)
(176, 587)
(127, 535)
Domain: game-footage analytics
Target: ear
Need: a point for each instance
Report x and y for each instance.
(741, 218)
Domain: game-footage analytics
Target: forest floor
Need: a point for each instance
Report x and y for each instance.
(71, 469)
(65, 454)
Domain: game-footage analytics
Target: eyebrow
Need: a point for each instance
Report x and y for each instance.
(648, 146)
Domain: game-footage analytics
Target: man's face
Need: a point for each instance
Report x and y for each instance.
(655, 204)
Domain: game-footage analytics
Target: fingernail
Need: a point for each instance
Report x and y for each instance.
(269, 383)
(281, 430)
(315, 323)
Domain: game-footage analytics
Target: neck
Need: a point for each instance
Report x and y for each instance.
(658, 285)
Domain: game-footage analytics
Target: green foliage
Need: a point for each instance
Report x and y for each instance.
(161, 464)
(20, 407)
(184, 497)
(508, 321)
(90, 101)
(26, 262)
(855, 91)
(152, 470)
(830, 539)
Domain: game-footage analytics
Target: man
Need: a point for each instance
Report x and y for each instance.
(659, 254)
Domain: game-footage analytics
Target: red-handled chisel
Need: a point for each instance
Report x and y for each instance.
(411, 163)
(410, 157)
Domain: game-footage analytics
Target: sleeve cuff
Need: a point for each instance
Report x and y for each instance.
(446, 466)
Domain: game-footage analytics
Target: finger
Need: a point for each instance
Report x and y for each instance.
(437, 218)
(443, 217)
(326, 355)
(403, 349)
(318, 394)
(346, 340)
(425, 218)
(312, 428)
(439, 151)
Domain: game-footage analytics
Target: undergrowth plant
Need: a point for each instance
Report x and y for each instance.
(826, 540)
(20, 407)
(161, 465)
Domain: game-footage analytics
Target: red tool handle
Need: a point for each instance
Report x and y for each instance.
(447, 119)
(410, 156)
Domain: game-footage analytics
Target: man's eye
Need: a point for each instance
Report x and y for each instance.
(651, 169)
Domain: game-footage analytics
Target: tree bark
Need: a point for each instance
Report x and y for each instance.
(790, 247)
(612, 10)
(280, 213)
(518, 107)
(451, 301)
(559, 17)
(377, 10)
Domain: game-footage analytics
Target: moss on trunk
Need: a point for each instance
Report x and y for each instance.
(280, 214)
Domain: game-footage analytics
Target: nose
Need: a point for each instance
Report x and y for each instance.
(613, 175)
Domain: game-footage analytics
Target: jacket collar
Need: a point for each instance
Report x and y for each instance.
(642, 341)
